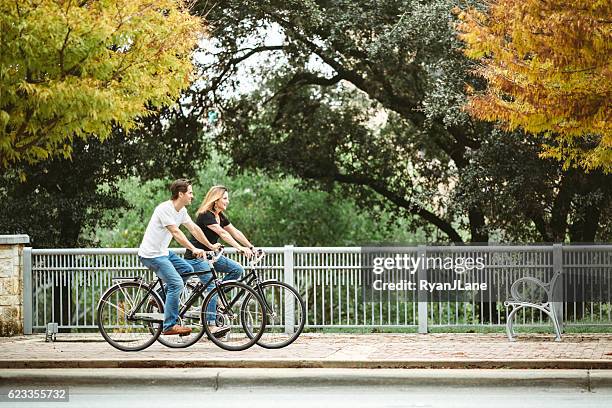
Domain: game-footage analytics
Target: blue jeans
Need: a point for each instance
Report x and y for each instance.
(232, 270)
(173, 270)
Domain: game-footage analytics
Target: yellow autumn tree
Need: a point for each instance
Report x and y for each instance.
(76, 68)
(547, 64)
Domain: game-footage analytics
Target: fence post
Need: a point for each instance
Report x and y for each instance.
(288, 279)
(559, 288)
(422, 295)
(27, 290)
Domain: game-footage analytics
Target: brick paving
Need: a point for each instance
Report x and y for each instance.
(324, 350)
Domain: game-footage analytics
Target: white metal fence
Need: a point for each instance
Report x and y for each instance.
(64, 285)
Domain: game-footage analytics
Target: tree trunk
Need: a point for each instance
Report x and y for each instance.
(561, 208)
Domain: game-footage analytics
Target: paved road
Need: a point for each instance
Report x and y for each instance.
(337, 397)
(295, 388)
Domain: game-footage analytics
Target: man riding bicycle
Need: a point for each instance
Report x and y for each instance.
(154, 254)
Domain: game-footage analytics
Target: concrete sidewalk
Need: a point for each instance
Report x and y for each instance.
(457, 351)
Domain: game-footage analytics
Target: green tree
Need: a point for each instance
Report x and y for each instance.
(547, 68)
(271, 211)
(62, 197)
(370, 95)
(526, 198)
(76, 69)
(361, 93)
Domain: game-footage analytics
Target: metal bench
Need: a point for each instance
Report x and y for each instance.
(549, 305)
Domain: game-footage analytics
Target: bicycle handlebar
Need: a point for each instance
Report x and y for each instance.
(258, 255)
(213, 256)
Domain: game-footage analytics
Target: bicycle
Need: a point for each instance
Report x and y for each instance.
(130, 313)
(285, 308)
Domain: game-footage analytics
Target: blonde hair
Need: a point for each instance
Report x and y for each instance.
(208, 204)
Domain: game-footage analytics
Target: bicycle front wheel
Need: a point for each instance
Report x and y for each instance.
(285, 314)
(227, 310)
(123, 318)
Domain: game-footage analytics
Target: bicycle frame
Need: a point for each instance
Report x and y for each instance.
(201, 287)
(252, 279)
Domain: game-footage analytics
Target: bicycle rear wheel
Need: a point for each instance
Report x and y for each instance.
(192, 318)
(228, 309)
(285, 314)
(121, 324)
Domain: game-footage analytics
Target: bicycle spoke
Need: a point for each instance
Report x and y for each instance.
(122, 310)
(285, 313)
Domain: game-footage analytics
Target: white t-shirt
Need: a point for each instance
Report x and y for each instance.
(157, 237)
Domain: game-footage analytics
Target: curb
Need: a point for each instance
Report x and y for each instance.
(237, 378)
(314, 363)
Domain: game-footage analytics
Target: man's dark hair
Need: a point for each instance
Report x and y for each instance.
(179, 186)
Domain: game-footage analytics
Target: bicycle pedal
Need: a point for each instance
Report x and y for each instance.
(222, 332)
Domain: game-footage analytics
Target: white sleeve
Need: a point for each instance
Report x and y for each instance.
(165, 215)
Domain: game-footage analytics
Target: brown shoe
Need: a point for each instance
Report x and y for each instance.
(176, 329)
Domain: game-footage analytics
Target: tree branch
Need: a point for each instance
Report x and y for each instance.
(384, 94)
(237, 60)
(308, 78)
(400, 201)
(63, 49)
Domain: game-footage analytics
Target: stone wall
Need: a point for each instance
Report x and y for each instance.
(11, 284)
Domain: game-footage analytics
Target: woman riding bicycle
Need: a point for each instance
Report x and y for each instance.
(215, 224)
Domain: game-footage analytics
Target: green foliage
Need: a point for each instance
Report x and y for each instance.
(523, 196)
(359, 100)
(379, 111)
(276, 212)
(76, 69)
(270, 211)
(369, 95)
(130, 221)
(61, 196)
